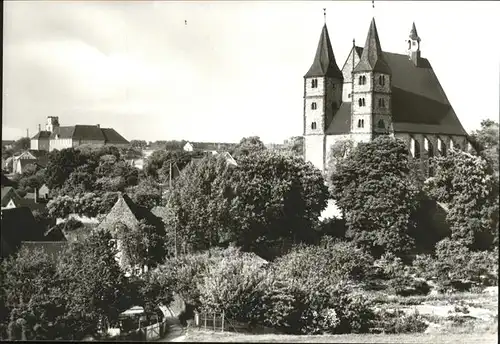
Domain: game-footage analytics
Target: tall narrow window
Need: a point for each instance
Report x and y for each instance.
(313, 106)
(360, 81)
(360, 102)
(314, 83)
(381, 103)
(349, 95)
(381, 80)
(381, 124)
(363, 101)
(364, 79)
(361, 123)
(313, 125)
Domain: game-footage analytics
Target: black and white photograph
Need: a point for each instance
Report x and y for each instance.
(250, 171)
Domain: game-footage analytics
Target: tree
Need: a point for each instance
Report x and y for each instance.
(24, 143)
(374, 189)
(248, 145)
(95, 287)
(200, 202)
(61, 164)
(275, 197)
(157, 165)
(31, 295)
(466, 184)
(487, 142)
(147, 193)
(140, 144)
(296, 145)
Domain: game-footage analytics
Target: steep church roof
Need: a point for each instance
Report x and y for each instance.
(419, 103)
(42, 135)
(324, 62)
(372, 58)
(89, 132)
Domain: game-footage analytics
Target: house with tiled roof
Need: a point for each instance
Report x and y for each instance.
(377, 93)
(10, 198)
(60, 137)
(126, 212)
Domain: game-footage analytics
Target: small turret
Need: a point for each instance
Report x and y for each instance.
(414, 46)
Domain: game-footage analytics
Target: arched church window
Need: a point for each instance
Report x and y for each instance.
(313, 125)
(363, 101)
(409, 44)
(361, 123)
(381, 103)
(381, 124)
(360, 102)
(314, 83)
(381, 80)
(364, 79)
(313, 106)
(360, 81)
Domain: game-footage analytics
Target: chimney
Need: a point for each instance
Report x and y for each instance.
(39, 128)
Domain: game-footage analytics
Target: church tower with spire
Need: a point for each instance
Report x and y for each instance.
(414, 46)
(371, 91)
(323, 85)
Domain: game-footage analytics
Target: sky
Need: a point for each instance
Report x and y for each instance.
(235, 70)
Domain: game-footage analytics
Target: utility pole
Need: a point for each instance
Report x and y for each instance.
(169, 195)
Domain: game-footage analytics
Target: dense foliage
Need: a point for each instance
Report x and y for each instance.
(374, 189)
(275, 196)
(248, 145)
(465, 183)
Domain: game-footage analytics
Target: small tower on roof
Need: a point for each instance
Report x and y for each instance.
(414, 45)
(371, 99)
(323, 85)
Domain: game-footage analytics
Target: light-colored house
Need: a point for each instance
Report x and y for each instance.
(188, 147)
(57, 137)
(29, 157)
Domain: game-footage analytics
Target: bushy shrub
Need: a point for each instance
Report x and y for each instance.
(324, 265)
(234, 284)
(399, 276)
(398, 321)
(456, 267)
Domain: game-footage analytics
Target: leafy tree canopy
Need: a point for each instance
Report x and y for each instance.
(374, 188)
(248, 145)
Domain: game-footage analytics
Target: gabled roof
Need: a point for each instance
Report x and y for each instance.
(324, 63)
(18, 224)
(42, 135)
(413, 33)
(372, 59)
(111, 136)
(88, 132)
(9, 193)
(62, 132)
(127, 212)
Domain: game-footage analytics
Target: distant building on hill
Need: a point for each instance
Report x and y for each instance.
(57, 137)
(29, 157)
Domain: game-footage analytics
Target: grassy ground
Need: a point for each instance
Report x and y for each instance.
(206, 336)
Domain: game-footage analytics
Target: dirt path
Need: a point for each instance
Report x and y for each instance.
(176, 332)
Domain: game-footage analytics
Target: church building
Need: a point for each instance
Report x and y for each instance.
(377, 93)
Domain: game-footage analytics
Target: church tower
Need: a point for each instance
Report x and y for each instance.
(414, 46)
(322, 98)
(371, 113)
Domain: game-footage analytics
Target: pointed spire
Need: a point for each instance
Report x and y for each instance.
(324, 62)
(372, 59)
(414, 34)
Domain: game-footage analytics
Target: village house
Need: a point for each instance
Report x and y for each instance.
(375, 93)
(10, 198)
(59, 137)
(29, 157)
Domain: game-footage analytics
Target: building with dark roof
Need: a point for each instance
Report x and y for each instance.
(395, 94)
(18, 225)
(57, 137)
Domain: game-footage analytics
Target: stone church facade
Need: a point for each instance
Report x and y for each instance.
(377, 93)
